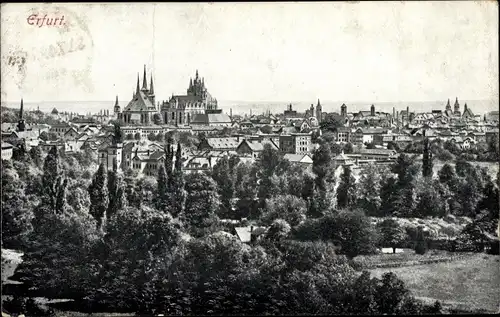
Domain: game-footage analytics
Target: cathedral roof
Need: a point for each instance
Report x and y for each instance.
(187, 98)
(141, 102)
(468, 112)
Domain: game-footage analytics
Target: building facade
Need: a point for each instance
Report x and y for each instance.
(296, 143)
(6, 151)
(180, 109)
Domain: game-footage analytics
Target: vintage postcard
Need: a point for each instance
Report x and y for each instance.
(274, 158)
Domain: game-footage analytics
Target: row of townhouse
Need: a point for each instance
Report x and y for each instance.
(145, 157)
(362, 156)
(68, 131)
(382, 136)
(144, 132)
(294, 143)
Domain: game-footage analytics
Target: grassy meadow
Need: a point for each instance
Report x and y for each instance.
(470, 283)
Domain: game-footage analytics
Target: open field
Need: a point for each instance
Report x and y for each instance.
(469, 283)
(407, 258)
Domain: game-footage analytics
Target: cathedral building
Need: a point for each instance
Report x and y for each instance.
(141, 110)
(456, 109)
(182, 109)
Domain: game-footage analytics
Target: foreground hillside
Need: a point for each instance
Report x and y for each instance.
(469, 283)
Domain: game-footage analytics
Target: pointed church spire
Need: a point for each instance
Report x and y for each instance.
(196, 74)
(319, 104)
(20, 123)
(116, 101)
(21, 110)
(137, 88)
(144, 81)
(151, 89)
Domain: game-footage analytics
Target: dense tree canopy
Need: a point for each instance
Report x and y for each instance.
(130, 242)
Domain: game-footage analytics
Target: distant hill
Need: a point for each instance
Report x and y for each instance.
(240, 107)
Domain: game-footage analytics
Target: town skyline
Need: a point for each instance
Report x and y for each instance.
(241, 107)
(388, 57)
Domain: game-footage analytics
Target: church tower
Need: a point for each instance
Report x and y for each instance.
(114, 151)
(319, 112)
(137, 89)
(448, 106)
(343, 110)
(21, 126)
(117, 110)
(144, 81)
(456, 107)
(372, 110)
(151, 90)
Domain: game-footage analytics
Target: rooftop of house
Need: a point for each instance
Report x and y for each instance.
(198, 162)
(6, 145)
(341, 157)
(245, 233)
(297, 157)
(259, 146)
(371, 130)
(223, 142)
(374, 151)
(210, 118)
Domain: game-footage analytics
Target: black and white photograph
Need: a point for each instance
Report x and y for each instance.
(250, 158)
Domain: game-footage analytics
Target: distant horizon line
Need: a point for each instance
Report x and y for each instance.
(264, 101)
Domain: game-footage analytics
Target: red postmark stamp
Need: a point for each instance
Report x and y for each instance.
(48, 44)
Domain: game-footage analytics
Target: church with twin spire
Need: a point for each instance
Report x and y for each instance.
(142, 108)
(178, 110)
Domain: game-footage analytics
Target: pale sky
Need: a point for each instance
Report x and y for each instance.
(380, 51)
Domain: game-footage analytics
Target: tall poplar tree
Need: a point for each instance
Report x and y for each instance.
(162, 190)
(99, 196)
(53, 184)
(116, 190)
(346, 192)
(178, 158)
(321, 165)
(427, 159)
(177, 196)
(169, 159)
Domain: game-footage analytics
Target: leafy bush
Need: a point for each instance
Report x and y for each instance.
(351, 230)
(421, 247)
